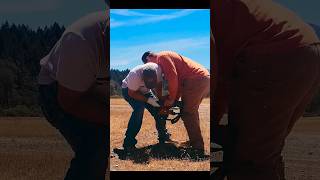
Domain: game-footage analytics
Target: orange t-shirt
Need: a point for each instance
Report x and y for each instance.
(177, 68)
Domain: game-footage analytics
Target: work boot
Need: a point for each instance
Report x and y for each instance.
(165, 137)
(129, 149)
(129, 144)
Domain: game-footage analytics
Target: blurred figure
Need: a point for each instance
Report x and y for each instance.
(188, 80)
(266, 72)
(136, 90)
(74, 91)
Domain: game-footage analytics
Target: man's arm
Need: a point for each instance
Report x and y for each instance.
(137, 95)
(158, 90)
(171, 75)
(83, 105)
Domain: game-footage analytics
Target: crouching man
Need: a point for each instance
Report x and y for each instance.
(266, 73)
(190, 81)
(136, 90)
(72, 97)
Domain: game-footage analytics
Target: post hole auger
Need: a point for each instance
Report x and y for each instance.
(175, 111)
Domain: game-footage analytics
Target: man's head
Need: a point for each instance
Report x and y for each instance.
(149, 57)
(149, 75)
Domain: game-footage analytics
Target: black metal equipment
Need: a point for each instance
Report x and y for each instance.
(175, 111)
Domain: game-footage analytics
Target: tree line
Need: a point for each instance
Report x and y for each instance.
(21, 49)
(116, 77)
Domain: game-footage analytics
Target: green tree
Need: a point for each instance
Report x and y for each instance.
(7, 78)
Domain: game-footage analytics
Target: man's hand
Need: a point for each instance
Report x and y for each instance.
(153, 101)
(168, 103)
(164, 111)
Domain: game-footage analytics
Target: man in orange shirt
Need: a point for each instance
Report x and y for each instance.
(266, 72)
(188, 80)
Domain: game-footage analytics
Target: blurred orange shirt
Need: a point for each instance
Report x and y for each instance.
(177, 68)
(252, 28)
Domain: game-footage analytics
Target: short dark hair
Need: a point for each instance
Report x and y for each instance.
(149, 71)
(149, 76)
(145, 55)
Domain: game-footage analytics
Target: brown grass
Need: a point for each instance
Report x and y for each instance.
(120, 113)
(30, 149)
(302, 150)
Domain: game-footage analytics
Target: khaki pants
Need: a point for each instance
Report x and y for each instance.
(193, 91)
(268, 94)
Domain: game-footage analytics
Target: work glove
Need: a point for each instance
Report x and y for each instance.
(153, 101)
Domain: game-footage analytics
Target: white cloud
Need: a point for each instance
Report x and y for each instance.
(30, 6)
(146, 18)
(115, 23)
(121, 57)
(125, 12)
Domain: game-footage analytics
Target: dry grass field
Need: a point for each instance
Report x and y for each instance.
(302, 150)
(119, 116)
(31, 150)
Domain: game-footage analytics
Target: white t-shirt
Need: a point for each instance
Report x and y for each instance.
(75, 58)
(134, 80)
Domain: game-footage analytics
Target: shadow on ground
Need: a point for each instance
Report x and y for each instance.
(159, 151)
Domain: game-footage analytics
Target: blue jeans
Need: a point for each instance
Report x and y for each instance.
(135, 120)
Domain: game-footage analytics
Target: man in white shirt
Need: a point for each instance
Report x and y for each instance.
(72, 97)
(136, 90)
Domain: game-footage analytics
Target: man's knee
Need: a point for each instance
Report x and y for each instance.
(153, 110)
(138, 108)
(190, 108)
(189, 113)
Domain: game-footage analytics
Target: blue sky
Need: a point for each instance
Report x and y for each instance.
(135, 31)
